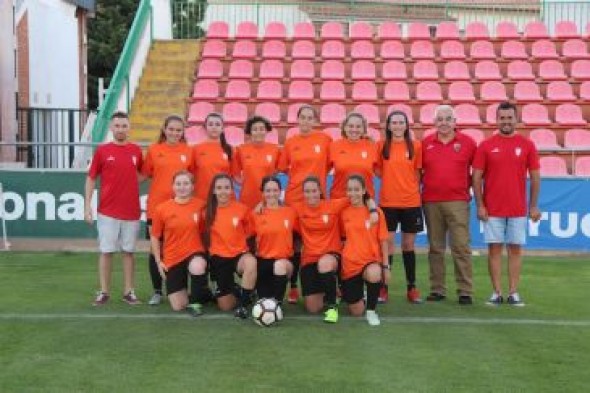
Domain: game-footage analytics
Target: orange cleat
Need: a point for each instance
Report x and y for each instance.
(413, 296)
(293, 296)
(383, 295)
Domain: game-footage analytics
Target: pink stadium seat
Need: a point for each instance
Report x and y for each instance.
(427, 114)
(304, 31)
(566, 29)
(392, 50)
(218, 30)
(544, 49)
(428, 132)
(210, 69)
(302, 69)
(544, 139)
(247, 30)
(272, 137)
(588, 29)
(418, 31)
(301, 91)
(364, 91)
(425, 70)
(482, 50)
(214, 49)
(493, 91)
(536, 30)
(551, 70)
(569, 115)
(513, 50)
(332, 31)
(487, 70)
(241, 69)
(271, 69)
(577, 138)
(332, 70)
(527, 91)
(332, 91)
(467, 115)
(333, 132)
(535, 115)
(270, 110)
(422, 49)
(491, 114)
(275, 31)
(270, 90)
(234, 135)
(582, 166)
(520, 70)
(206, 89)
(476, 134)
(291, 132)
(506, 31)
(396, 91)
(394, 70)
(374, 134)
(361, 31)
(452, 50)
(553, 166)
(447, 31)
(332, 114)
(456, 71)
(195, 135)
(580, 69)
(584, 91)
(560, 92)
(402, 108)
(238, 90)
(428, 92)
(477, 31)
(235, 112)
(461, 92)
(292, 113)
(303, 50)
(333, 50)
(389, 31)
(575, 49)
(198, 111)
(363, 70)
(369, 111)
(274, 49)
(244, 50)
(362, 50)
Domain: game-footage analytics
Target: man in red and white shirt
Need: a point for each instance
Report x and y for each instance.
(502, 162)
(446, 179)
(117, 164)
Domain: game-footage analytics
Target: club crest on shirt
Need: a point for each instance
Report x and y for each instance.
(317, 149)
(111, 158)
(182, 158)
(368, 224)
(134, 159)
(518, 150)
(286, 222)
(325, 218)
(235, 221)
(225, 157)
(364, 155)
(196, 217)
(269, 158)
(457, 147)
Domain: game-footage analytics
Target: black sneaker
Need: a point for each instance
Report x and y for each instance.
(241, 312)
(435, 297)
(495, 300)
(515, 300)
(465, 300)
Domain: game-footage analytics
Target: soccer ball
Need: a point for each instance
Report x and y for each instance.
(266, 312)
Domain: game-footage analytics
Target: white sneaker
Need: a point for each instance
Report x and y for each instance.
(515, 300)
(372, 318)
(156, 299)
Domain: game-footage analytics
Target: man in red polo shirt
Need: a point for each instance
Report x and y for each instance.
(117, 164)
(446, 168)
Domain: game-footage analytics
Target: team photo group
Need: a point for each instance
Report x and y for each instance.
(222, 228)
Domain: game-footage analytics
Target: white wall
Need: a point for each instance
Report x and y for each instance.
(7, 81)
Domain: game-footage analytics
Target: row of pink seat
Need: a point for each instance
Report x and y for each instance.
(391, 30)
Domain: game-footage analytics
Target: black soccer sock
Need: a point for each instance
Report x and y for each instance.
(296, 260)
(329, 280)
(372, 295)
(155, 274)
(245, 297)
(279, 287)
(409, 258)
(390, 259)
(200, 293)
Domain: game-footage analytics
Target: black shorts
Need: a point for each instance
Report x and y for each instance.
(353, 289)
(222, 271)
(311, 281)
(177, 275)
(410, 219)
(265, 277)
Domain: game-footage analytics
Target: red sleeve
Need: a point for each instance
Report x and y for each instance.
(533, 158)
(139, 159)
(96, 164)
(479, 161)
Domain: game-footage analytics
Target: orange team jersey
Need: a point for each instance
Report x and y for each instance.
(179, 225)
(274, 232)
(363, 240)
(349, 158)
(302, 156)
(254, 162)
(162, 161)
(230, 230)
(400, 185)
(209, 159)
(319, 228)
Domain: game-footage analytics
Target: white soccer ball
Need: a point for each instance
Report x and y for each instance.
(266, 312)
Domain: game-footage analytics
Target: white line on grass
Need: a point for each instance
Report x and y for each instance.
(411, 320)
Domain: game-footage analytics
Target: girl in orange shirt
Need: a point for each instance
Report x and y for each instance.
(163, 159)
(364, 256)
(400, 164)
(212, 156)
(228, 228)
(177, 246)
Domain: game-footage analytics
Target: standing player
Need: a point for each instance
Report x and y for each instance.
(178, 249)
(163, 159)
(365, 256)
(399, 165)
(502, 162)
(446, 180)
(117, 164)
